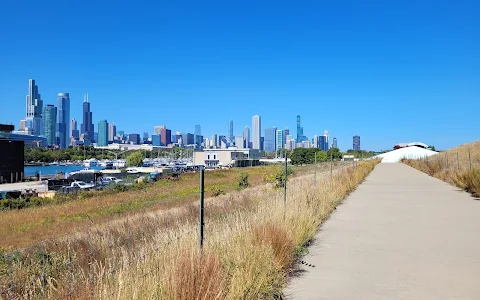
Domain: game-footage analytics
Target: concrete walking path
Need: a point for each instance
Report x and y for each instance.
(401, 235)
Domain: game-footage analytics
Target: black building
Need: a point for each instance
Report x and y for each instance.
(11, 156)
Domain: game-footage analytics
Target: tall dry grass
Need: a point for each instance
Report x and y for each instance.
(459, 166)
(252, 239)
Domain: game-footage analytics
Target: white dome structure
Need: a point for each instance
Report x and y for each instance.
(407, 152)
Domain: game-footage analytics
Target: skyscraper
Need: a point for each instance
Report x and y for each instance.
(256, 132)
(270, 139)
(246, 136)
(74, 133)
(279, 140)
(33, 121)
(165, 135)
(334, 144)
(300, 137)
(230, 132)
(102, 133)
(356, 142)
(198, 135)
(112, 132)
(49, 123)
(327, 141)
(157, 129)
(214, 140)
(239, 142)
(87, 125)
(286, 132)
(63, 120)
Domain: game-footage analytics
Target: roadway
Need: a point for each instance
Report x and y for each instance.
(401, 235)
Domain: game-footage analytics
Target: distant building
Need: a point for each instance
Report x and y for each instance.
(279, 142)
(95, 137)
(246, 137)
(49, 123)
(112, 132)
(214, 141)
(327, 141)
(286, 132)
(188, 139)
(165, 135)
(230, 132)
(270, 141)
(239, 142)
(74, 133)
(300, 136)
(290, 143)
(102, 133)
(256, 132)
(223, 142)
(33, 121)
(334, 144)
(134, 138)
(214, 158)
(11, 156)
(356, 143)
(88, 130)
(63, 120)
(156, 140)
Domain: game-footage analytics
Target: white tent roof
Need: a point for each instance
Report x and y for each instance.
(408, 152)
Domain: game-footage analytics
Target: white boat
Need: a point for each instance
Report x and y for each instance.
(90, 162)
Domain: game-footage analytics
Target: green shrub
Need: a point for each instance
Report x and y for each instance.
(243, 181)
(216, 191)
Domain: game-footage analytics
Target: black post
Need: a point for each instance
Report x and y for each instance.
(315, 173)
(202, 204)
(331, 167)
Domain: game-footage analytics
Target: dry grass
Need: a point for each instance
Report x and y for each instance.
(459, 166)
(251, 242)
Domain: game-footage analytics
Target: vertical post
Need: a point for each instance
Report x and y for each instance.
(470, 159)
(331, 168)
(202, 204)
(458, 163)
(11, 287)
(285, 189)
(315, 173)
(92, 271)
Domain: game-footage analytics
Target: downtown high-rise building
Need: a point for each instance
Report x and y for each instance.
(214, 141)
(87, 126)
(198, 135)
(269, 144)
(165, 135)
(49, 124)
(239, 142)
(300, 136)
(34, 105)
(112, 132)
(356, 143)
(74, 132)
(256, 132)
(230, 132)
(246, 136)
(279, 142)
(286, 132)
(102, 133)
(63, 120)
(334, 143)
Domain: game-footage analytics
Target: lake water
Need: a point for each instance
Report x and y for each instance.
(51, 170)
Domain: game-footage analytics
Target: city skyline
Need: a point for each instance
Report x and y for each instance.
(339, 66)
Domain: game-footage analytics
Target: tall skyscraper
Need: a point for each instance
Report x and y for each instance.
(300, 136)
(325, 134)
(49, 123)
(157, 129)
(165, 135)
(246, 137)
(33, 121)
(112, 132)
(214, 140)
(256, 132)
(286, 132)
(230, 132)
(270, 139)
(239, 142)
(279, 140)
(198, 135)
(334, 144)
(356, 142)
(63, 120)
(87, 126)
(102, 133)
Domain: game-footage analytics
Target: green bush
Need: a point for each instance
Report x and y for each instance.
(216, 191)
(243, 181)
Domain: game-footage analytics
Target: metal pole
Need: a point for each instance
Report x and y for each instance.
(315, 173)
(285, 190)
(470, 159)
(202, 204)
(331, 167)
(44, 278)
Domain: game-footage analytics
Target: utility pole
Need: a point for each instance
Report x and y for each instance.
(285, 190)
(202, 204)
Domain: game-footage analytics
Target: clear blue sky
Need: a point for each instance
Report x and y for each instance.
(390, 71)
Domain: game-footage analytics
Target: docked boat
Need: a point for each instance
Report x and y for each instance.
(90, 162)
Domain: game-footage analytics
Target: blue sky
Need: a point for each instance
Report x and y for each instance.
(389, 71)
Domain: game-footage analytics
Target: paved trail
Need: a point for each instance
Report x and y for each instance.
(400, 235)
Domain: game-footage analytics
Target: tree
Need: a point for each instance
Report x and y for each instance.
(334, 153)
(135, 159)
(321, 156)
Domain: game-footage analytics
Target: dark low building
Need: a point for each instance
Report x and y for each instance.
(11, 156)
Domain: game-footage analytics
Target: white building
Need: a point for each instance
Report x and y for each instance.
(239, 142)
(234, 157)
(246, 137)
(279, 142)
(256, 132)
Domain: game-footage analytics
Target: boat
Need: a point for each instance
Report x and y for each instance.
(90, 162)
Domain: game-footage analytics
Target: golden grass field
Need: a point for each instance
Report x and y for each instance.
(252, 239)
(459, 166)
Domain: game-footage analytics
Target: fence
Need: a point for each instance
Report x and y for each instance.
(93, 261)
